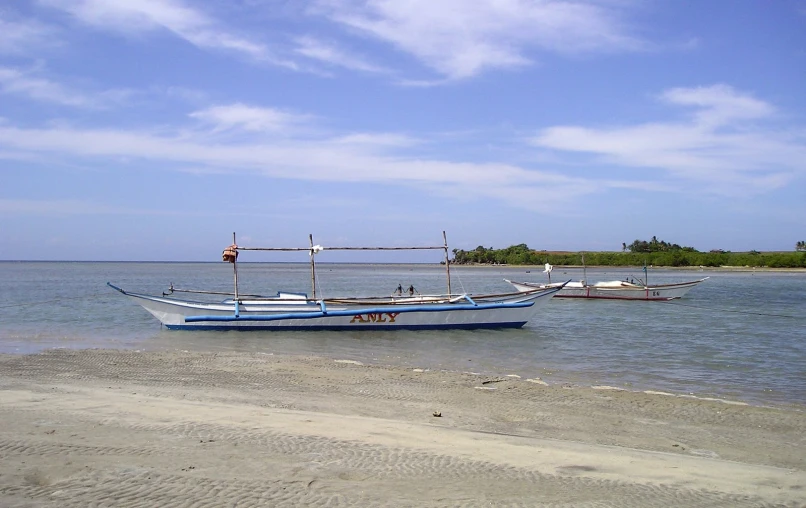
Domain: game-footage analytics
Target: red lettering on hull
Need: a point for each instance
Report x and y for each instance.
(375, 317)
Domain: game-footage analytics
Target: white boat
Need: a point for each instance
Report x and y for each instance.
(298, 311)
(613, 289)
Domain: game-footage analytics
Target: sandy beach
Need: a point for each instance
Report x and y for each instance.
(143, 429)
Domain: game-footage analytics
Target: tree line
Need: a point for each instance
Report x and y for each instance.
(653, 252)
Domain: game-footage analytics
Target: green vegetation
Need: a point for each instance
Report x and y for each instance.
(656, 246)
(653, 252)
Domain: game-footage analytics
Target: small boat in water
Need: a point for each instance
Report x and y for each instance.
(613, 289)
(298, 311)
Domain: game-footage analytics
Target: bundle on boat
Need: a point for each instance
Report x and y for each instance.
(230, 254)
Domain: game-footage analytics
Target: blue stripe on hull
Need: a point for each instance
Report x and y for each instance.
(358, 311)
(469, 326)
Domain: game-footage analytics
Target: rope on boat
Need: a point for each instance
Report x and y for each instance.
(766, 314)
(318, 283)
(461, 283)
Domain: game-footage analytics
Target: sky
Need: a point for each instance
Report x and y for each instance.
(152, 130)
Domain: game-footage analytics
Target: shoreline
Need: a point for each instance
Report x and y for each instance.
(550, 377)
(178, 427)
(726, 268)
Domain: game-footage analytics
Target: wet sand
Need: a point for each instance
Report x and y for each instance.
(143, 429)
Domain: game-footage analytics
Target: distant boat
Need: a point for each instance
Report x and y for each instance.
(613, 289)
(404, 309)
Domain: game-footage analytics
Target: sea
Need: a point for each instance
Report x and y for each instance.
(738, 336)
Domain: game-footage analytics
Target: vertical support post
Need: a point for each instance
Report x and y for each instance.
(235, 270)
(447, 262)
(313, 269)
(646, 276)
(584, 271)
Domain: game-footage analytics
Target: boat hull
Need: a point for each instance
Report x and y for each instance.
(508, 311)
(616, 290)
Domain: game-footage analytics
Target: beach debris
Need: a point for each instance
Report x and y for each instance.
(571, 469)
(37, 478)
(437, 414)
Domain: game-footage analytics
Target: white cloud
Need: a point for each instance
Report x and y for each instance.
(18, 82)
(20, 37)
(331, 54)
(460, 39)
(719, 144)
(62, 207)
(718, 104)
(52, 207)
(362, 159)
(455, 38)
(736, 156)
(133, 16)
(248, 118)
(185, 94)
(371, 139)
(14, 81)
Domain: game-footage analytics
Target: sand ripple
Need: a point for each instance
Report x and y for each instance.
(127, 429)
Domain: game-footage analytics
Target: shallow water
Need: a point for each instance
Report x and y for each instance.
(739, 335)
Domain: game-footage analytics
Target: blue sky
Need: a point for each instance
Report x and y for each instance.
(152, 130)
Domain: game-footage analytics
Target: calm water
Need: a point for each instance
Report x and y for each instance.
(739, 335)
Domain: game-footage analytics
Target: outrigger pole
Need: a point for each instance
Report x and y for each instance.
(235, 266)
(314, 249)
(584, 271)
(313, 268)
(646, 276)
(447, 262)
